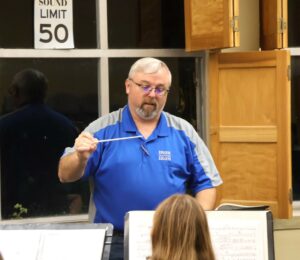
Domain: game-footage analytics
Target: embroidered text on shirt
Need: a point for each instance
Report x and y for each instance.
(164, 155)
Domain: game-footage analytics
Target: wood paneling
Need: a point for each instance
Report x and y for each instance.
(250, 127)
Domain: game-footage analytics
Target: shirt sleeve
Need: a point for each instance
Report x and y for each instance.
(204, 171)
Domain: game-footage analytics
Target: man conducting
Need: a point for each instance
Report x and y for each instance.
(163, 154)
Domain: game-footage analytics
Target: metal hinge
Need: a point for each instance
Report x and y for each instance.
(235, 24)
(282, 25)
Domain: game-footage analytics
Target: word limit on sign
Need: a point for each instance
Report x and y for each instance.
(53, 24)
(56, 14)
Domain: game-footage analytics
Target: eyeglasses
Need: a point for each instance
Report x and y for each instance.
(159, 91)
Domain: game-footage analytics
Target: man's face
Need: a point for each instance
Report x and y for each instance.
(147, 94)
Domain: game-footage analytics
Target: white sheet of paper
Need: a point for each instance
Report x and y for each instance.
(234, 234)
(17, 245)
(52, 244)
(237, 235)
(139, 234)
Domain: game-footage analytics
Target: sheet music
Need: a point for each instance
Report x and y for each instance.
(238, 236)
(52, 244)
(235, 235)
(247, 242)
(140, 234)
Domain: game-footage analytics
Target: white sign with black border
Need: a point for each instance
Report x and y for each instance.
(53, 24)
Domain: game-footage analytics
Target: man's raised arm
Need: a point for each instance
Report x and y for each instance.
(71, 166)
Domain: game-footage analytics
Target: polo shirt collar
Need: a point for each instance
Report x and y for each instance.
(128, 123)
(162, 128)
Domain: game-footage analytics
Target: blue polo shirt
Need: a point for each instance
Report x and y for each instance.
(137, 174)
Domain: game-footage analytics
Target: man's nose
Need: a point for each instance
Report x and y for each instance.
(152, 93)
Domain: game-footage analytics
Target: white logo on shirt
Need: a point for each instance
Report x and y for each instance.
(164, 155)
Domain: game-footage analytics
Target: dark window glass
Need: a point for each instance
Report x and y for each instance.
(182, 95)
(31, 148)
(295, 84)
(145, 24)
(17, 24)
(85, 27)
(293, 23)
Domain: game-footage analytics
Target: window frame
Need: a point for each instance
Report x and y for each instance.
(295, 52)
(103, 54)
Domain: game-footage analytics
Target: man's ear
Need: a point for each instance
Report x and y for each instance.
(127, 85)
(13, 91)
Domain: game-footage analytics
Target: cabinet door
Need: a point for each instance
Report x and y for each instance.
(250, 139)
(211, 24)
(273, 24)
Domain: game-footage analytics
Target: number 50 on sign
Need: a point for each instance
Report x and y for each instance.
(53, 24)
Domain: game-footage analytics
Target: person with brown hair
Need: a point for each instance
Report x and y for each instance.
(180, 230)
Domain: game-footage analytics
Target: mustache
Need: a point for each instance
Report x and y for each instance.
(150, 102)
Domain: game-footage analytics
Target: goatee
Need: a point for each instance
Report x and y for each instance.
(147, 114)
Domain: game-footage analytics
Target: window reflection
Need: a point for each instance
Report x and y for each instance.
(293, 23)
(31, 148)
(145, 24)
(295, 98)
(32, 139)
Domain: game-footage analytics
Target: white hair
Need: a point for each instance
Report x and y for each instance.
(148, 66)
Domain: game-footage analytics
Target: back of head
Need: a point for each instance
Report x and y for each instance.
(149, 65)
(180, 230)
(29, 86)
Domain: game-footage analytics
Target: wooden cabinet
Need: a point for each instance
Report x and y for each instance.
(249, 102)
(216, 24)
(273, 24)
(211, 24)
(250, 128)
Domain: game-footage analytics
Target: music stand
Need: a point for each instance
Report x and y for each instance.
(68, 226)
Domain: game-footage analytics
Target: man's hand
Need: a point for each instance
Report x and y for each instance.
(85, 145)
(71, 167)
